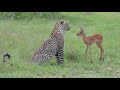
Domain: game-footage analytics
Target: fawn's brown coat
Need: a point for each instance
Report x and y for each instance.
(96, 38)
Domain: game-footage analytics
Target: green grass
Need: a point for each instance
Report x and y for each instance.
(22, 37)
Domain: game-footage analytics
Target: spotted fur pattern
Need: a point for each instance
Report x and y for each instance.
(54, 45)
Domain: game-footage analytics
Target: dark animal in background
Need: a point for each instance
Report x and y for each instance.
(4, 56)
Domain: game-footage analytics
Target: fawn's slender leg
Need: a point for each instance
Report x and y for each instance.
(90, 54)
(102, 51)
(86, 52)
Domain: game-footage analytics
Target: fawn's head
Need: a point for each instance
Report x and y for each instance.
(81, 32)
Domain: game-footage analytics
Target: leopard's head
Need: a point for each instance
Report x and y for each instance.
(62, 25)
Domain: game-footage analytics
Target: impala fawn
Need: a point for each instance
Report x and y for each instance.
(96, 38)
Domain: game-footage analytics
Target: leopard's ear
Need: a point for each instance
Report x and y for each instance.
(62, 21)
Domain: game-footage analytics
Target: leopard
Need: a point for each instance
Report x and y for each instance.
(54, 45)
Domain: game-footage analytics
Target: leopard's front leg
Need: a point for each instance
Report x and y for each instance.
(60, 56)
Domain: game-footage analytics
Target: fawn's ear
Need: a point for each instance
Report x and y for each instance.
(82, 29)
